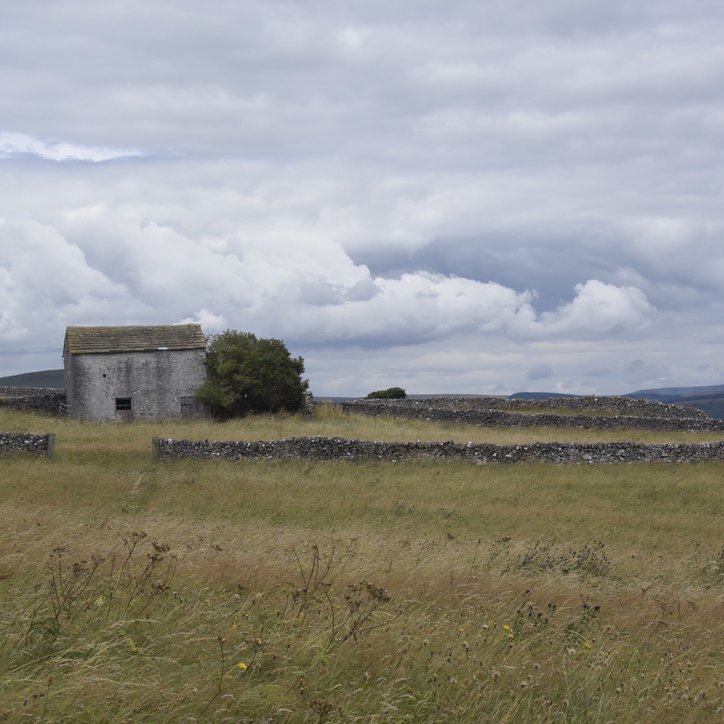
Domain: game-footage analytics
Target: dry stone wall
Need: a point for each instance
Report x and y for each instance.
(611, 413)
(329, 449)
(604, 413)
(21, 442)
(590, 404)
(45, 400)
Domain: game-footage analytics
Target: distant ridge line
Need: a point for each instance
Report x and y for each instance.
(43, 378)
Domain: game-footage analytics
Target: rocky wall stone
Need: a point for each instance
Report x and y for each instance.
(21, 442)
(45, 400)
(334, 449)
(498, 412)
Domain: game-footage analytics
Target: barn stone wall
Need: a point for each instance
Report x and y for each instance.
(154, 382)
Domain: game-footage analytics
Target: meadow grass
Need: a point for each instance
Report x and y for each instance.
(137, 590)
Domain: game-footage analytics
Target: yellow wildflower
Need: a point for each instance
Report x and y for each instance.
(506, 627)
(242, 666)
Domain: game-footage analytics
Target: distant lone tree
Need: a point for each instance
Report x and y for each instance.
(246, 374)
(391, 393)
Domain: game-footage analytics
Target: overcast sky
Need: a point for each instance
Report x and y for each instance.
(474, 196)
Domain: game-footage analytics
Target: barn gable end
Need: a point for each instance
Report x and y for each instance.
(132, 373)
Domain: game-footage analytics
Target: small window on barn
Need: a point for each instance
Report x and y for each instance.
(123, 404)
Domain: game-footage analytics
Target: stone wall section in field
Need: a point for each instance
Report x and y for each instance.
(331, 449)
(45, 400)
(22, 442)
(603, 413)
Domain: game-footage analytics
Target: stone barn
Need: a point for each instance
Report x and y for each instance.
(134, 373)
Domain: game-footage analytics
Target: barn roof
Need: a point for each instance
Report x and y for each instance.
(91, 340)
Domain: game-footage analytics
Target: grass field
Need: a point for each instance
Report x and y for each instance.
(133, 590)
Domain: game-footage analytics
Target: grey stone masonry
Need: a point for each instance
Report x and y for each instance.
(331, 449)
(134, 372)
(22, 442)
(45, 400)
(604, 413)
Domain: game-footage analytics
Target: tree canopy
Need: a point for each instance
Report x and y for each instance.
(391, 393)
(246, 374)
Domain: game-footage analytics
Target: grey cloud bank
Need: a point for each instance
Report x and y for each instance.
(480, 198)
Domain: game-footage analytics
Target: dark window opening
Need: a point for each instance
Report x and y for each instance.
(123, 404)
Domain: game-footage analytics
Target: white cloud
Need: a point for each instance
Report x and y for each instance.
(45, 283)
(414, 307)
(20, 144)
(600, 308)
(210, 323)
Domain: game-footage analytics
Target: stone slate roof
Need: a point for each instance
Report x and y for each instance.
(94, 340)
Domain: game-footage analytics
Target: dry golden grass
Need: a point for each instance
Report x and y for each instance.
(516, 593)
(328, 421)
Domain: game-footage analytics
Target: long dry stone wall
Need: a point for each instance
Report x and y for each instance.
(609, 413)
(326, 448)
(45, 400)
(21, 442)
(612, 413)
(599, 405)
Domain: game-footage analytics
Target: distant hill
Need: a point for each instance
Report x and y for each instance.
(44, 378)
(655, 393)
(713, 405)
(708, 398)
